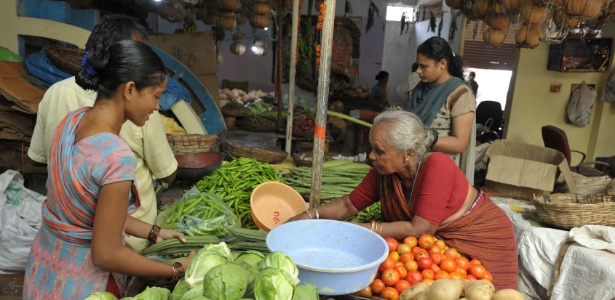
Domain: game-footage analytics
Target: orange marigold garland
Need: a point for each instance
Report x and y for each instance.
(319, 25)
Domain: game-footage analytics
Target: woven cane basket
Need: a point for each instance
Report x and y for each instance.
(66, 59)
(191, 143)
(260, 154)
(571, 210)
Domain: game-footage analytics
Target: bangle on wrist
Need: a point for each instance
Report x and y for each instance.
(380, 230)
(178, 272)
(374, 224)
(308, 213)
(317, 215)
(153, 234)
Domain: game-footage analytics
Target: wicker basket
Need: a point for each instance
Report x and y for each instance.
(191, 143)
(66, 59)
(260, 154)
(234, 110)
(571, 210)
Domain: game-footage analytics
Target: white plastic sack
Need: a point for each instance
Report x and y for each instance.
(20, 219)
(581, 105)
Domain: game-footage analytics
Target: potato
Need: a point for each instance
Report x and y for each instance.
(409, 293)
(421, 296)
(479, 290)
(507, 294)
(445, 289)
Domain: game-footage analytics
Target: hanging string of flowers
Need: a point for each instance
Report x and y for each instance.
(319, 25)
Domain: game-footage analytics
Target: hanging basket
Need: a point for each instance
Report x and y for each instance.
(66, 59)
(567, 211)
(191, 143)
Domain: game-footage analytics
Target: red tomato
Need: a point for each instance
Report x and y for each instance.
(479, 271)
(436, 258)
(401, 285)
(388, 263)
(424, 263)
(393, 243)
(394, 255)
(434, 249)
(403, 248)
(377, 286)
(448, 265)
(406, 257)
(414, 277)
(367, 291)
(411, 265)
(421, 254)
(462, 262)
(401, 270)
(426, 241)
(410, 240)
(390, 293)
(427, 274)
(435, 268)
(390, 277)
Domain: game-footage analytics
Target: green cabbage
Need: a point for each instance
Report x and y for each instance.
(274, 284)
(101, 296)
(180, 289)
(226, 282)
(280, 261)
(194, 294)
(306, 292)
(153, 293)
(250, 257)
(210, 256)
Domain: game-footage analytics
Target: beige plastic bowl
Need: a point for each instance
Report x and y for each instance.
(273, 203)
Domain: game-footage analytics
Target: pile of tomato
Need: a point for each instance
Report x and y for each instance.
(425, 259)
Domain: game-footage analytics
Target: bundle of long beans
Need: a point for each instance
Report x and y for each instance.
(339, 178)
(234, 183)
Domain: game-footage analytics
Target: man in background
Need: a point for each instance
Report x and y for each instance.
(405, 89)
(472, 83)
(149, 143)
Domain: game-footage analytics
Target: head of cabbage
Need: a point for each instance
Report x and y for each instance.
(274, 284)
(210, 256)
(227, 281)
(279, 260)
(249, 257)
(101, 296)
(153, 293)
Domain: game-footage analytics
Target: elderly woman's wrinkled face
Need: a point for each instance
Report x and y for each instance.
(384, 157)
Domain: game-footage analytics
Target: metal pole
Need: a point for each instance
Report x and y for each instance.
(291, 80)
(322, 99)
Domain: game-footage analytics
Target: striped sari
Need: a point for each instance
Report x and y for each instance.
(60, 264)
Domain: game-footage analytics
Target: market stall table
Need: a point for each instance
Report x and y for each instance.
(584, 273)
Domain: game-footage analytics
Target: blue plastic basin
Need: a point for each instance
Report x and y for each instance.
(337, 257)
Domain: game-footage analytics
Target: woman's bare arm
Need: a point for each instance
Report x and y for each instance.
(461, 131)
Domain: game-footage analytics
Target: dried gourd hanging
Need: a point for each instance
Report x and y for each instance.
(533, 14)
(494, 37)
(529, 36)
(584, 8)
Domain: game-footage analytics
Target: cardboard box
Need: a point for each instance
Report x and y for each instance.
(19, 87)
(518, 170)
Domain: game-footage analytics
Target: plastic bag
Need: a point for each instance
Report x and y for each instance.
(20, 219)
(581, 105)
(197, 214)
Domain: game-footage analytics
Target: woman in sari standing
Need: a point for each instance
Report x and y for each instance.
(80, 247)
(445, 103)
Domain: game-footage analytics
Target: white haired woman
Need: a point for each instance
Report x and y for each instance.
(423, 192)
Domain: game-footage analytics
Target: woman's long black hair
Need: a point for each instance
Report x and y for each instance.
(127, 60)
(437, 48)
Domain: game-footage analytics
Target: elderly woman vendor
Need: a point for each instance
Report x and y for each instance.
(424, 192)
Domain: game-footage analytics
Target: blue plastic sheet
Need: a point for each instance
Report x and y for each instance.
(46, 73)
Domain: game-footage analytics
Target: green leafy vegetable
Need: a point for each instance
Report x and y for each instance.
(226, 282)
(274, 284)
(101, 296)
(280, 261)
(180, 289)
(249, 257)
(204, 260)
(194, 294)
(153, 293)
(306, 292)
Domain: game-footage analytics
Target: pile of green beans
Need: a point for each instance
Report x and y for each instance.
(200, 214)
(234, 182)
